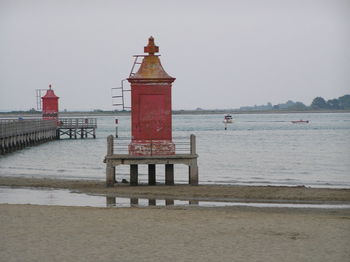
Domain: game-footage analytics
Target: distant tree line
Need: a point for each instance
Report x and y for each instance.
(318, 103)
(30, 111)
(342, 102)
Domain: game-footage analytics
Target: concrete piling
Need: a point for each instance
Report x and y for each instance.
(169, 174)
(134, 173)
(151, 174)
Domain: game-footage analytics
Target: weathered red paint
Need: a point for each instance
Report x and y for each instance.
(151, 117)
(50, 105)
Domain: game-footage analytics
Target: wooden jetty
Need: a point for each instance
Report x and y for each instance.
(17, 134)
(77, 127)
(115, 158)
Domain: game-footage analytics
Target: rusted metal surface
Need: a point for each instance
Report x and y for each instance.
(151, 112)
(151, 48)
(151, 67)
(152, 147)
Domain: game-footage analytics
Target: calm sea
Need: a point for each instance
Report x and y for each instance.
(257, 149)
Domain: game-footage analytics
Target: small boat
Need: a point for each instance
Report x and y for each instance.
(300, 121)
(228, 119)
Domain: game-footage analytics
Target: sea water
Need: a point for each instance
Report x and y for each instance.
(257, 149)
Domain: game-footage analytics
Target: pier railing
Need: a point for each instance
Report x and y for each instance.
(16, 134)
(17, 127)
(77, 123)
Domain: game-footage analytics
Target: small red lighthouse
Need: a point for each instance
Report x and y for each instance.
(50, 105)
(151, 116)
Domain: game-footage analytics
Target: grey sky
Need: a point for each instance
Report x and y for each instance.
(224, 54)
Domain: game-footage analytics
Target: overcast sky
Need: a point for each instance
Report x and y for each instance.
(224, 54)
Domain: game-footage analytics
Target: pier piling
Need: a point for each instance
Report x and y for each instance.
(151, 174)
(16, 134)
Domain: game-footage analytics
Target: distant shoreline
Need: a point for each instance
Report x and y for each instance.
(175, 112)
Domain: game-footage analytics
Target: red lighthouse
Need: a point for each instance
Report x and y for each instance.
(50, 105)
(151, 117)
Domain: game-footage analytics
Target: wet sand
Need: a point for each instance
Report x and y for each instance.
(186, 192)
(52, 233)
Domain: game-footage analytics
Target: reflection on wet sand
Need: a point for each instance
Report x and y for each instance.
(112, 201)
(63, 197)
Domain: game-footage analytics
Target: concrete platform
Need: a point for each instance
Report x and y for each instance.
(113, 160)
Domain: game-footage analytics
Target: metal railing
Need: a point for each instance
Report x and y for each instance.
(178, 145)
(77, 123)
(16, 127)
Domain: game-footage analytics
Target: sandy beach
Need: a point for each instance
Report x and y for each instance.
(52, 233)
(55, 233)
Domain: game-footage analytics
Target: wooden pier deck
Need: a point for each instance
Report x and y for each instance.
(115, 158)
(17, 134)
(77, 127)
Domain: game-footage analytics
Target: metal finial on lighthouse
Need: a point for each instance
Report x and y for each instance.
(50, 86)
(151, 48)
